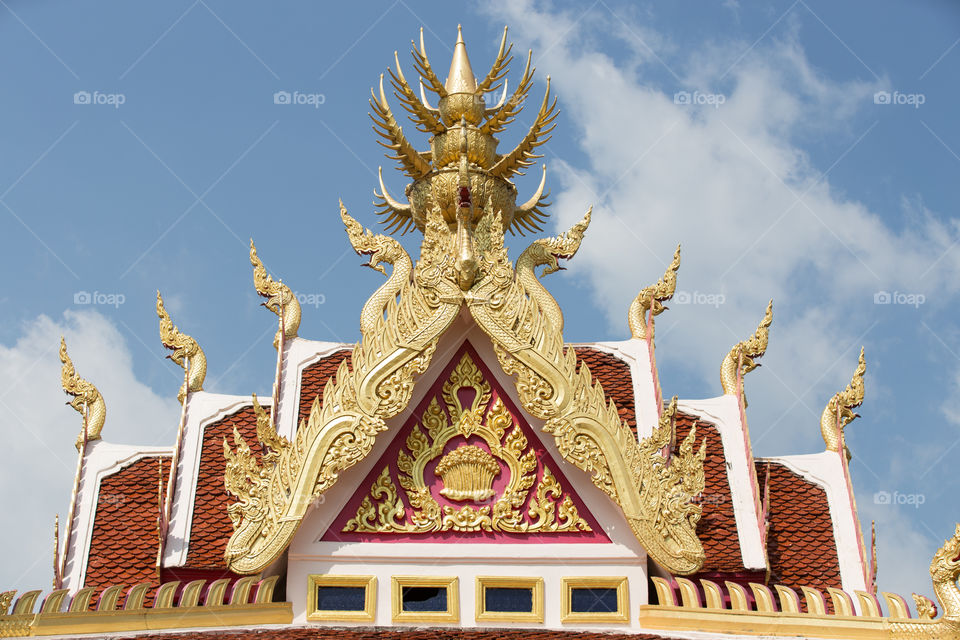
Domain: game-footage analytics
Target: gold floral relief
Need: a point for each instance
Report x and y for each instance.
(467, 472)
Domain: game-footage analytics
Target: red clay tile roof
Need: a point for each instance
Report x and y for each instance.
(717, 529)
(615, 377)
(321, 633)
(123, 546)
(314, 378)
(718, 526)
(800, 543)
(211, 528)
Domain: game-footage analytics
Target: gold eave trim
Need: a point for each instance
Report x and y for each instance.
(91, 622)
(765, 624)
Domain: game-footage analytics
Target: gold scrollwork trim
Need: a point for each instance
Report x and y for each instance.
(451, 584)
(535, 585)
(548, 508)
(622, 614)
(367, 614)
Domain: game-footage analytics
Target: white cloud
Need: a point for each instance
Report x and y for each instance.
(758, 219)
(39, 430)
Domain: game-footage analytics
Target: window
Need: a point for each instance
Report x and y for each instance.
(600, 599)
(425, 599)
(341, 598)
(510, 599)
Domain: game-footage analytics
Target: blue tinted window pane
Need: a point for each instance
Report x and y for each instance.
(587, 600)
(341, 598)
(508, 599)
(424, 598)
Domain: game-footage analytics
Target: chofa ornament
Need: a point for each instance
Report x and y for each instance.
(462, 201)
(87, 400)
(945, 571)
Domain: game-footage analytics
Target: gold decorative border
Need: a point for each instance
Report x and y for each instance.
(534, 584)
(622, 614)
(450, 583)
(367, 614)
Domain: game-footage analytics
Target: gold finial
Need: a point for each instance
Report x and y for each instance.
(87, 400)
(741, 358)
(461, 78)
(461, 113)
(186, 352)
(652, 298)
(280, 299)
(839, 410)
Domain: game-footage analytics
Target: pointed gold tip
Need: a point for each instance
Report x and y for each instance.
(461, 78)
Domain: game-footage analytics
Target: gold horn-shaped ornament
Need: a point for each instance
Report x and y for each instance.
(87, 400)
(742, 358)
(839, 411)
(280, 299)
(186, 352)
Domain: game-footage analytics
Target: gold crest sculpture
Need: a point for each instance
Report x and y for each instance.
(462, 200)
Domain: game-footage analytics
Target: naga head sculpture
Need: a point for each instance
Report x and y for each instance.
(945, 567)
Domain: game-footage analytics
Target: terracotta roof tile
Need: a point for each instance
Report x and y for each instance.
(800, 543)
(615, 377)
(717, 529)
(314, 378)
(123, 545)
(718, 526)
(211, 528)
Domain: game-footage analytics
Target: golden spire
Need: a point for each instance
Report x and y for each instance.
(461, 78)
(741, 359)
(86, 399)
(461, 115)
(839, 410)
(186, 352)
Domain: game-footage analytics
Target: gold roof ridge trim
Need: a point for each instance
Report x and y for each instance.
(463, 261)
(280, 299)
(741, 359)
(839, 411)
(87, 399)
(186, 352)
(78, 619)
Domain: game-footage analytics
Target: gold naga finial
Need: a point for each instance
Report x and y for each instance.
(280, 299)
(87, 400)
(461, 123)
(186, 352)
(651, 299)
(944, 572)
(741, 359)
(839, 410)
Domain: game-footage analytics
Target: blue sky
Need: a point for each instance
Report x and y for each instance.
(797, 186)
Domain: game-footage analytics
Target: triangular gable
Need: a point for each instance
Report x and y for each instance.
(465, 466)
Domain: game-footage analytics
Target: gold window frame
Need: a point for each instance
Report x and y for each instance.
(534, 584)
(368, 614)
(622, 614)
(450, 583)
